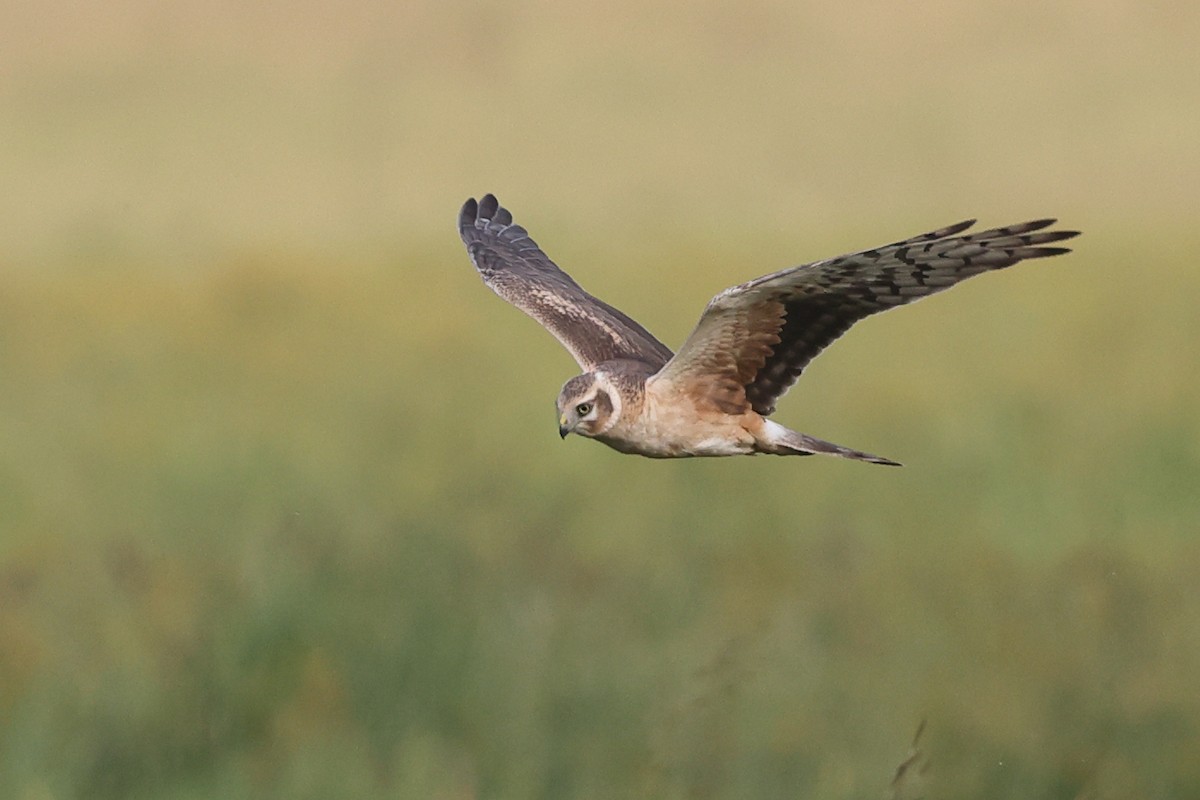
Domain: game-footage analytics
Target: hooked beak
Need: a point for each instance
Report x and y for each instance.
(563, 428)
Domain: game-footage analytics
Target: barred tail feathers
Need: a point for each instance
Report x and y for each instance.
(777, 440)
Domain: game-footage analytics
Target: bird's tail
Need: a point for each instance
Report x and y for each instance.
(780, 441)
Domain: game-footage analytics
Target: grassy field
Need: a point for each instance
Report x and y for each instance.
(284, 512)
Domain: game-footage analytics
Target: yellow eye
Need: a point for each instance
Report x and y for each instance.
(583, 408)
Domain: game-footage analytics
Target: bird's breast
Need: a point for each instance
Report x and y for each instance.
(672, 426)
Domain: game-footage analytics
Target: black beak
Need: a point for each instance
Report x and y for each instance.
(563, 429)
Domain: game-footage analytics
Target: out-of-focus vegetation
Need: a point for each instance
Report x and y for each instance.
(283, 509)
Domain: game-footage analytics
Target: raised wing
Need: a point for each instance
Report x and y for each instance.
(754, 340)
(516, 269)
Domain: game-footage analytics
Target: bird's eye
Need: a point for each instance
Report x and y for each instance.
(583, 408)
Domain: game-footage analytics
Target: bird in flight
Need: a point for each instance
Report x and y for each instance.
(714, 397)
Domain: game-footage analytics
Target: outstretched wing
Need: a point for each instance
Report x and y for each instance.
(517, 270)
(754, 340)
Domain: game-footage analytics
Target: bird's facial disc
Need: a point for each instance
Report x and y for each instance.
(577, 416)
(575, 403)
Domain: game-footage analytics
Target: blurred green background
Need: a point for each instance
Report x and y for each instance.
(284, 512)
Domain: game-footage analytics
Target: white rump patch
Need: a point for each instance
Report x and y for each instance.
(774, 433)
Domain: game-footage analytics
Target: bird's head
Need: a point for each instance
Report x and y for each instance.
(584, 407)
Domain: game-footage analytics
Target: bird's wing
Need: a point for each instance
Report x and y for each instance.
(515, 268)
(754, 340)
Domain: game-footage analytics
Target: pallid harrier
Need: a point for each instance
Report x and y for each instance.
(713, 397)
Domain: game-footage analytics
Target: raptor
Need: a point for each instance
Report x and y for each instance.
(715, 396)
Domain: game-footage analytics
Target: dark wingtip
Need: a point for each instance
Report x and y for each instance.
(956, 228)
(939, 233)
(488, 204)
(486, 209)
(1043, 252)
(466, 217)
